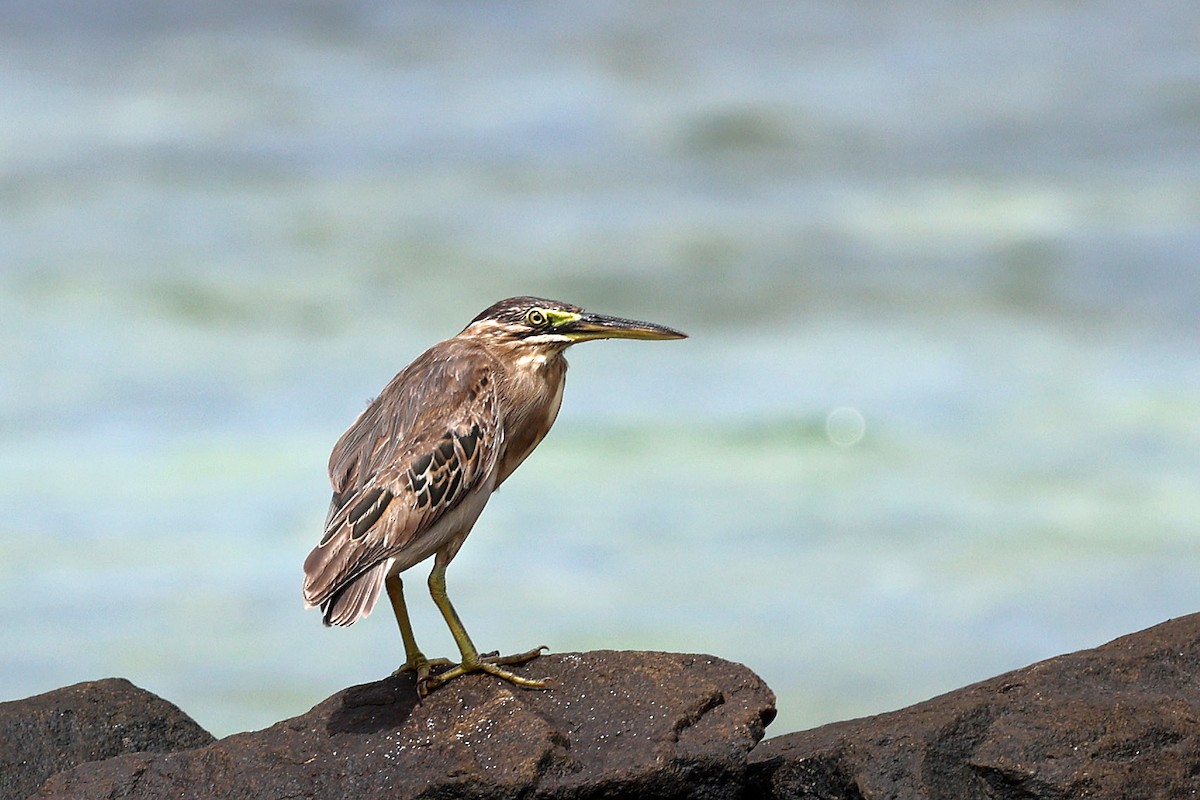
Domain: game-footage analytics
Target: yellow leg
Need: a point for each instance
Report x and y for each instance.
(471, 660)
(414, 659)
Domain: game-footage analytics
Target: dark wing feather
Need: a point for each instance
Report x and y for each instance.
(430, 438)
(356, 599)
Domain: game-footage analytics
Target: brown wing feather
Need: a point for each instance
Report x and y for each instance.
(423, 445)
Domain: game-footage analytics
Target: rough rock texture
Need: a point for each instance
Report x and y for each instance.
(1119, 721)
(51, 732)
(615, 724)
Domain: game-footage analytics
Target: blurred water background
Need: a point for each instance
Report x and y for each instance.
(939, 416)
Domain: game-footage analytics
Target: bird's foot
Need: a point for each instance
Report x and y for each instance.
(491, 663)
(494, 657)
(419, 665)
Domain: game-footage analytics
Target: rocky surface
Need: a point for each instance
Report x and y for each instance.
(1119, 721)
(51, 732)
(615, 724)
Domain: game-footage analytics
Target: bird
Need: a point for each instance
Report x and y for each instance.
(414, 471)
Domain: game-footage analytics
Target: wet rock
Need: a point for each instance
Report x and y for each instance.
(1118, 721)
(51, 732)
(614, 724)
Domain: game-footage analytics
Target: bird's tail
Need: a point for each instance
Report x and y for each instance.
(355, 599)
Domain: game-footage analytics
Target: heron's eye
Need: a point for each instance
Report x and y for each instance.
(536, 317)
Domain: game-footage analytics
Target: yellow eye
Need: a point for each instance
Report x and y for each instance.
(536, 317)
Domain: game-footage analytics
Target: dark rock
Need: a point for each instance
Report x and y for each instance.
(1118, 721)
(51, 732)
(614, 724)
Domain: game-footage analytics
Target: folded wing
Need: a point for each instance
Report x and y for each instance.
(406, 462)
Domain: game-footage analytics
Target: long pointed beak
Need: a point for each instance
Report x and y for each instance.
(598, 326)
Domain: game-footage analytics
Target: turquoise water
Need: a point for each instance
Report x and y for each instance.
(938, 417)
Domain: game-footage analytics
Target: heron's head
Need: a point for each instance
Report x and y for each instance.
(522, 323)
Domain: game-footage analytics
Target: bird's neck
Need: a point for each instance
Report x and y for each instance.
(530, 400)
(536, 360)
(530, 373)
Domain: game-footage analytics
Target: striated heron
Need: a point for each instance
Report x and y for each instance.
(414, 471)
